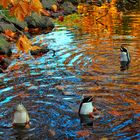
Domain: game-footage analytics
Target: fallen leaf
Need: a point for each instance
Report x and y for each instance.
(115, 113)
(24, 45)
(83, 133)
(9, 33)
(45, 12)
(61, 18)
(54, 8)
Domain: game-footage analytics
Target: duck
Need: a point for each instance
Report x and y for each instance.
(86, 110)
(21, 116)
(124, 58)
(86, 105)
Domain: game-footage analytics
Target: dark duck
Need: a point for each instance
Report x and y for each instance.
(124, 58)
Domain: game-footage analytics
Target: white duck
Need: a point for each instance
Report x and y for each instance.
(124, 58)
(86, 106)
(21, 117)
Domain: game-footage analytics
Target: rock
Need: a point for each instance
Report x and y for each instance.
(18, 24)
(41, 51)
(11, 24)
(37, 21)
(5, 48)
(47, 4)
(4, 63)
(6, 26)
(74, 2)
(68, 8)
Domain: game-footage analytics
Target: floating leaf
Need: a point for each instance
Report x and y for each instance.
(83, 133)
(115, 113)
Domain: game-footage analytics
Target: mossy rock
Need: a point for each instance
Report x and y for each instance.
(37, 21)
(68, 8)
(6, 26)
(47, 4)
(4, 47)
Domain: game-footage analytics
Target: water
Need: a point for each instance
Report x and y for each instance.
(86, 62)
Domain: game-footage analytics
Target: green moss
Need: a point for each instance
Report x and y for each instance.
(70, 20)
(6, 14)
(3, 41)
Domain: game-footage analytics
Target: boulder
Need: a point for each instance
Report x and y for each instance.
(5, 48)
(38, 21)
(4, 63)
(44, 49)
(47, 4)
(68, 8)
(6, 26)
(74, 2)
(11, 24)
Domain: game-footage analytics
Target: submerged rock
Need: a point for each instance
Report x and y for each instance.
(4, 63)
(43, 50)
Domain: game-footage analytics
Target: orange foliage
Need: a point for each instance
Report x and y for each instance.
(9, 33)
(22, 8)
(24, 44)
(5, 3)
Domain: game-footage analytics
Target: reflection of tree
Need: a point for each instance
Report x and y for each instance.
(128, 4)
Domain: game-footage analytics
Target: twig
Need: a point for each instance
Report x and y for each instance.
(102, 15)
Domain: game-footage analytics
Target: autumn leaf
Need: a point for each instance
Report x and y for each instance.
(61, 18)
(45, 12)
(9, 33)
(83, 133)
(5, 3)
(21, 8)
(14, 67)
(36, 6)
(25, 45)
(115, 113)
(26, 29)
(54, 8)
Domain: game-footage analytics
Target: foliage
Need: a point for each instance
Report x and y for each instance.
(25, 45)
(21, 8)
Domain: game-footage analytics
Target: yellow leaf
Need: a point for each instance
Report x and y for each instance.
(23, 8)
(36, 6)
(54, 7)
(24, 44)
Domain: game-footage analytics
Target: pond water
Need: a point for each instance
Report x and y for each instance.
(87, 61)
